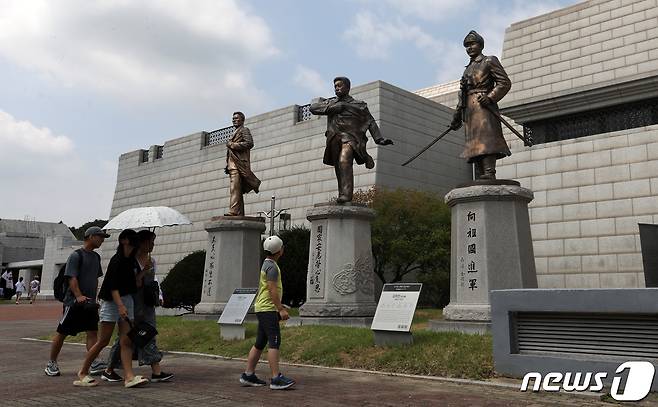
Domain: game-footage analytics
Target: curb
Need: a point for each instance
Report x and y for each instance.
(491, 383)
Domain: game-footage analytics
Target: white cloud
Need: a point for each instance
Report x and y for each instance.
(21, 137)
(44, 177)
(312, 80)
(149, 51)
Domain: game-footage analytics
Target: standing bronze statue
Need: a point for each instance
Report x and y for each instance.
(238, 165)
(483, 84)
(347, 122)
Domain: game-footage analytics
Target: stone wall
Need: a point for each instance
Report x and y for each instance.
(287, 157)
(590, 192)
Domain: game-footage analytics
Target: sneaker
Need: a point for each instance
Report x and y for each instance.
(97, 367)
(52, 369)
(162, 377)
(281, 382)
(251, 380)
(111, 377)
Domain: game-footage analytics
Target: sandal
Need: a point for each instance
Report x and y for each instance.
(136, 381)
(86, 381)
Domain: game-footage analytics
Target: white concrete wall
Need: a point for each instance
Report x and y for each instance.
(56, 252)
(287, 157)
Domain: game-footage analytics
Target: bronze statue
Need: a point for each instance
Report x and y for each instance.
(483, 84)
(347, 122)
(238, 166)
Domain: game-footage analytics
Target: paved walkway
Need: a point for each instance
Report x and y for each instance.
(211, 382)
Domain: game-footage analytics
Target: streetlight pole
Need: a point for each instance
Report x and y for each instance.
(272, 214)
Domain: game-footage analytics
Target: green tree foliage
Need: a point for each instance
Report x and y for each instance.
(411, 233)
(79, 233)
(182, 286)
(294, 265)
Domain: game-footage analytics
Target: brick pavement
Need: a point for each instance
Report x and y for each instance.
(213, 382)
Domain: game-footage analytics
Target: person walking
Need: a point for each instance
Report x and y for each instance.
(269, 312)
(80, 311)
(20, 290)
(117, 307)
(35, 288)
(147, 297)
(8, 279)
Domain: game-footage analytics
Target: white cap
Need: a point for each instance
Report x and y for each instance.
(273, 244)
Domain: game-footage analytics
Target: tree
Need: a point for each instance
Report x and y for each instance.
(411, 233)
(294, 265)
(182, 286)
(79, 233)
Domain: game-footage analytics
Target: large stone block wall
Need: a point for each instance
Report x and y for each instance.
(592, 44)
(287, 157)
(590, 194)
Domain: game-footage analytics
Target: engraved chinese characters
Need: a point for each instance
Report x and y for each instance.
(491, 247)
(317, 269)
(210, 271)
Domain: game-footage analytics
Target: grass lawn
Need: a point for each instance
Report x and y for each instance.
(434, 354)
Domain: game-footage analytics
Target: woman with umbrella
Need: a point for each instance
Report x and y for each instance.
(117, 307)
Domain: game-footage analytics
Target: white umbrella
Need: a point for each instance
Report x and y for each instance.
(147, 217)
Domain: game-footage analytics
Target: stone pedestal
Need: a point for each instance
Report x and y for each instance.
(231, 332)
(340, 270)
(387, 338)
(491, 247)
(232, 259)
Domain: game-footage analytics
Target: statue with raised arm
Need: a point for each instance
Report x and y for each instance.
(238, 165)
(483, 84)
(347, 122)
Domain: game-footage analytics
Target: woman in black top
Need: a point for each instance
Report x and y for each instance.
(117, 307)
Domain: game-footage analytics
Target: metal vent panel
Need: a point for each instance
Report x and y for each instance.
(596, 335)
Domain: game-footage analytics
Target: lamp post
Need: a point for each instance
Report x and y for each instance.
(272, 214)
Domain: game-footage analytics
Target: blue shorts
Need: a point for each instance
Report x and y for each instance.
(110, 312)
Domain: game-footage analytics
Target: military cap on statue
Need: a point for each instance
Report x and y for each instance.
(473, 36)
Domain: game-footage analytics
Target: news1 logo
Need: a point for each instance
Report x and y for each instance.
(638, 382)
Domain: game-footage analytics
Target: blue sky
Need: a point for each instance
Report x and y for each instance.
(85, 81)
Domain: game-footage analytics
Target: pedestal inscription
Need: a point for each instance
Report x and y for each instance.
(230, 260)
(340, 271)
(491, 247)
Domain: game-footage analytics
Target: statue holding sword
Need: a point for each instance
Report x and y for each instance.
(483, 84)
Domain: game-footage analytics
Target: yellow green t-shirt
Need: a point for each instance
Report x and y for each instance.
(268, 272)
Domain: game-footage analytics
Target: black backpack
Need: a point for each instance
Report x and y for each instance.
(61, 283)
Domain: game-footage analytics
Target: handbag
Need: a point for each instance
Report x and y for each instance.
(141, 333)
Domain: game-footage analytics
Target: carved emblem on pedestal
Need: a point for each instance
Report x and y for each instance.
(355, 277)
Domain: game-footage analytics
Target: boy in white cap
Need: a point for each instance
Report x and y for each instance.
(269, 312)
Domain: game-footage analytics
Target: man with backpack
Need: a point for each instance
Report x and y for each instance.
(82, 270)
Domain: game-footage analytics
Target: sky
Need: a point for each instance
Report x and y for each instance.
(84, 81)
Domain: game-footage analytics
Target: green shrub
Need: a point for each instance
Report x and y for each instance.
(294, 265)
(182, 286)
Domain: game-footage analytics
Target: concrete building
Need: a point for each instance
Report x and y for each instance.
(585, 85)
(22, 245)
(187, 173)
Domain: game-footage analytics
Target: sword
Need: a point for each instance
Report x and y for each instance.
(526, 141)
(428, 146)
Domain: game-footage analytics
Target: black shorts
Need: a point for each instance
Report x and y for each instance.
(78, 318)
(269, 332)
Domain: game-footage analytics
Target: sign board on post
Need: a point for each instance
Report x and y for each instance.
(395, 311)
(237, 306)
